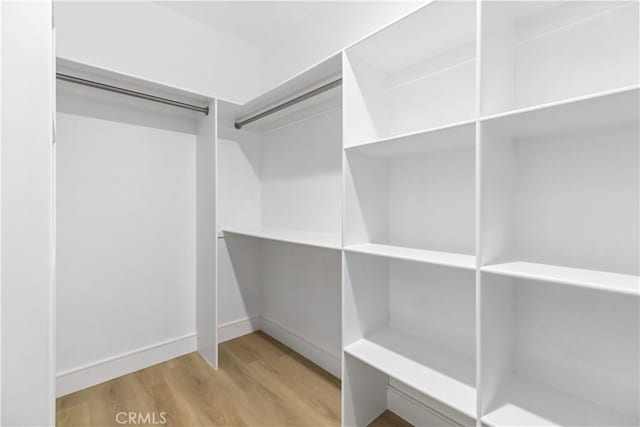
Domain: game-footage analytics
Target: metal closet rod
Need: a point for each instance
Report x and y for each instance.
(317, 91)
(133, 93)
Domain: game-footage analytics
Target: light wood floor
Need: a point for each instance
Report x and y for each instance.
(260, 382)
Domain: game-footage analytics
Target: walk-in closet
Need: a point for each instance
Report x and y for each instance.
(320, 213)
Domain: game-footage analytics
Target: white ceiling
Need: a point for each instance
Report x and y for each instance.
(263, 23)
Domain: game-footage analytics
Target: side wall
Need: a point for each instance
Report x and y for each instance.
(26, 213)
(125, 247)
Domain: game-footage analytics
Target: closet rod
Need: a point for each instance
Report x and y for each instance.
(129, 92)
(317, 91)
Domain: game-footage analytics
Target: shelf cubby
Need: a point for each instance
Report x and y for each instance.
(538, 52)
(414, 324)
(413, 197)
(282, 179)
(416, 74)
(557, 355)
(561, 194)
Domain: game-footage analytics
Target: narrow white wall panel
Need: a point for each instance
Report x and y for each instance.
(364, 393)
(26, 215)
(206, 237)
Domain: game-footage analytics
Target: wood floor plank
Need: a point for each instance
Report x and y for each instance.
(260, 382)
(288, 386)
(389, 419)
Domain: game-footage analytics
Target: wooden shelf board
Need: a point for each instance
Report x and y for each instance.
(308, 238)
(593, 279)
(441, 138)
(448, 259)
(524, 403)
(442, 374)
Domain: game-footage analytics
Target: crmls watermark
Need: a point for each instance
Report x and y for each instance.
(141, 418)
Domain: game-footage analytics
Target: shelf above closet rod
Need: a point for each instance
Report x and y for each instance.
(133, 93)
(303, 97)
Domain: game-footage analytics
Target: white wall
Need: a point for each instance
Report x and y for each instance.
(126, 235)
(26, 198)
(152, 42)
(189, 51)
(302, 300)
(302, 175)
(239, 199)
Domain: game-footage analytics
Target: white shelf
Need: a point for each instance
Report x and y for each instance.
(419, 255)
(601, 109)
(524, 403)
(307, 238)
(428, 368)
(600, 280)
(440, 138)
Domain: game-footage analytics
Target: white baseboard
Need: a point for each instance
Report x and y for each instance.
(429, 413)
(97, 372)
(237, 328)
(311, 351)
(75, 379)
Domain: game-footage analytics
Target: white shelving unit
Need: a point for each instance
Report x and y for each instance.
(491, 230)
(456, 231)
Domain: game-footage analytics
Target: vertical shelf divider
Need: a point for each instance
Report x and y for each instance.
(478, 210)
